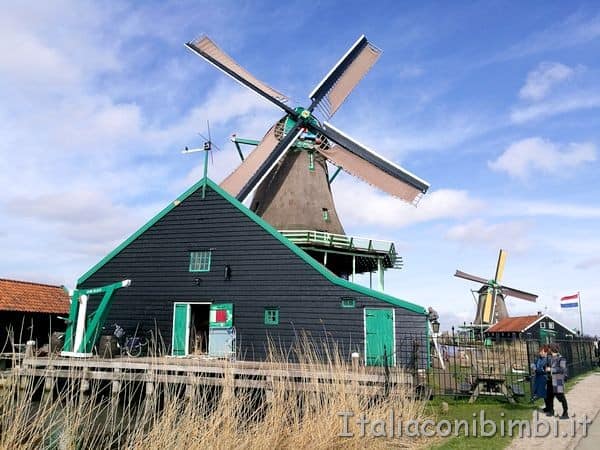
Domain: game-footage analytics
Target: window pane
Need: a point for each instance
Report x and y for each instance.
(200, 261)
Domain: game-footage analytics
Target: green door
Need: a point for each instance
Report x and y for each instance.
(379, 339)
(180, 329)
(547, 336)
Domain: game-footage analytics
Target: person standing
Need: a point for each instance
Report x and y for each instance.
(558, 373)
(539, 370)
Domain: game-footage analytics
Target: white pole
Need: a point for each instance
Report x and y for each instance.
(580, 317)
(434, 337)
(80, 330)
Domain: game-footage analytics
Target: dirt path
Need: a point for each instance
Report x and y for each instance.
(584, 402)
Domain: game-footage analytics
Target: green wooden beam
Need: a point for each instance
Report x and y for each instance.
(335, 174)
(238, 140)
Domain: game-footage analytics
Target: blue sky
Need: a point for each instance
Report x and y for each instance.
(494, 103)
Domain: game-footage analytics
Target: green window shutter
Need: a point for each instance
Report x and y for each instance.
(348, 302)
(221, 315)
(272, 316)
(200, 261)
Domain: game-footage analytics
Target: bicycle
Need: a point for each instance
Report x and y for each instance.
(133, 346)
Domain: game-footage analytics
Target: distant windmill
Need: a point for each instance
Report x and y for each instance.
(491, 306)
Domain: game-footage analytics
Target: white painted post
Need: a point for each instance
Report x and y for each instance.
(380, 271)
(80, 330)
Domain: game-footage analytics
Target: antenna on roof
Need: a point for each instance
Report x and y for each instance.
(206, 148)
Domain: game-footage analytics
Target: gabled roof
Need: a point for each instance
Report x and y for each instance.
(513, 324)
(268, 228)
(519, 324)
(25, 296)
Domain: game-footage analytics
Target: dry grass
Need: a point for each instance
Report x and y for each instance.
(300, 415)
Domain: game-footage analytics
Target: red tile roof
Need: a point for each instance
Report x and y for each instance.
(32, 297)
(513, 324)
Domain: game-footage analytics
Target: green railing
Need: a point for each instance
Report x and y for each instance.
(343, 242)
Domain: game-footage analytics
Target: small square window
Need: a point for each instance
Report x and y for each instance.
(271, 316)
(551, 325)
(200, 261)
(542, 324)
(348, 302)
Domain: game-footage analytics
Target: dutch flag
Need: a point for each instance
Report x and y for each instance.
(570, 301)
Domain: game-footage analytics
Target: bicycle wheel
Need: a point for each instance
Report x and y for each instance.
(137, 347)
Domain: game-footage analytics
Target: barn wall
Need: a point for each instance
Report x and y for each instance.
(20, 327)
(264, 273)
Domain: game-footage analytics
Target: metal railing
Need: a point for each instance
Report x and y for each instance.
(343, 242)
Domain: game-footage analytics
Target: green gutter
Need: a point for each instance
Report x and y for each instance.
(276, 234)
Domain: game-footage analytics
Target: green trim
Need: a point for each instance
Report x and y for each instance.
(271, 316)
(335, 174)
(311, 161)
(272, 231)
(141, 231)
(348, 302)
(244, 141)
(199, 258)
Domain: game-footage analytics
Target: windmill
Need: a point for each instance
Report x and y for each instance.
(287, 171)
(491, 306)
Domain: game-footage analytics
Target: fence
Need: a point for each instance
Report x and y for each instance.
(462, 363)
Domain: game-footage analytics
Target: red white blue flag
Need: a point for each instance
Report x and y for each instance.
(570, 301)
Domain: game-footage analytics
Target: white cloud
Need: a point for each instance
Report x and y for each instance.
(543, 78)
(542, 208)
(521, 158)
(410, 71)
(507, 235)
(359, 204)
(588, 263)
(574, 101)
(574, 30)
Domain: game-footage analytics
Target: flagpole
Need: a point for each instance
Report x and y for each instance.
(580, 317)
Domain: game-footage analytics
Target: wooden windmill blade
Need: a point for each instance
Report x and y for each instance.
(517, 293)
(468, 276)
(500, 266)
(364, 163)
(257, 164)
(208, 50)
(487, 314)
(341, 80)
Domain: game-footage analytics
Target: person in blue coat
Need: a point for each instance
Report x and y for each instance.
(539, 370)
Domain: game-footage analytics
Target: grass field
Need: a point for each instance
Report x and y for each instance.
(495, 409)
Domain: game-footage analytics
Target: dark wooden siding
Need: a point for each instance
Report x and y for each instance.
(264, 272)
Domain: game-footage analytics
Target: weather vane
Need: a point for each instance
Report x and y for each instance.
(206, 148)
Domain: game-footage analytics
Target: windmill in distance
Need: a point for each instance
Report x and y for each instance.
(491, 305)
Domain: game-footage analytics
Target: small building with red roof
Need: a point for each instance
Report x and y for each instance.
(539, 326)
(29, 311)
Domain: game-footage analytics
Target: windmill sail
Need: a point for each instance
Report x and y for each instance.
(519, 294)
(364, 163)
(208, 50)
(242, 174)
(332, 91)
(372, 174)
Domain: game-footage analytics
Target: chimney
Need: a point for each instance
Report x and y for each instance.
(539, 313)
